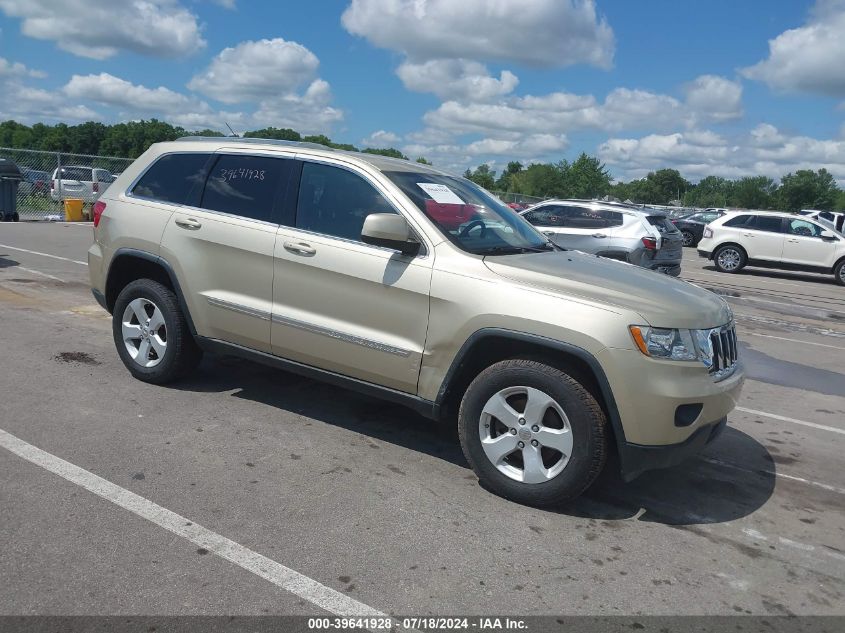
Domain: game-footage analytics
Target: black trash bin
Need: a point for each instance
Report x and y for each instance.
(10, 176)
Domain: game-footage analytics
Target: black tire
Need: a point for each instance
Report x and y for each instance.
(689, 238)
(729, 252)
(839, 273)
(586, 420)
(181, 354)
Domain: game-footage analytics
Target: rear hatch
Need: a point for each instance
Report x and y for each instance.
(671, 240)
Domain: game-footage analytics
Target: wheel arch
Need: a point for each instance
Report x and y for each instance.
(735, 244)
(491, 345)
(129, 264)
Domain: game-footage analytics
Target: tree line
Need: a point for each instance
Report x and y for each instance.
(130, 140)
(585, 177)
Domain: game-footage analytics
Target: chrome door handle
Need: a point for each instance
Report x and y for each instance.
(189, 223)
(549, 233)
(300, 247)
(793, 241)
(599, 235)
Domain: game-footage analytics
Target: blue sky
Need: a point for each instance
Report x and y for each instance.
(717, 87)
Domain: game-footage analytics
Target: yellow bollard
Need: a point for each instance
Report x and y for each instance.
(73, 210)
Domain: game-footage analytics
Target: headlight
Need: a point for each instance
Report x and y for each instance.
(669, 344)
(708, 232)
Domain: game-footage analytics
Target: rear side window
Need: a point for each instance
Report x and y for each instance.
(173, 178)
(583, 218)
(767, 223)
(245, 185)
(661, 223)
(740, 220)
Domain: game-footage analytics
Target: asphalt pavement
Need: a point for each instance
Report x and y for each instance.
(247, 490)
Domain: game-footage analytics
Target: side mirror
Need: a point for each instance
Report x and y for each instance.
(828, 236)
(390, 230)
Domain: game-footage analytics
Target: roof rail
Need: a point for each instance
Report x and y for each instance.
(249, 140)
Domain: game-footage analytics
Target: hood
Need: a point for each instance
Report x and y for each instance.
(661, 300)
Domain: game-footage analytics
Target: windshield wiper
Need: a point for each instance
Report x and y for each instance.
(516, 250)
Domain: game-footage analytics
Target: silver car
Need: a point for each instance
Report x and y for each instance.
(638, 236)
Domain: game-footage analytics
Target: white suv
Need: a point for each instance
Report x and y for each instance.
(78, 181)
(773, 240)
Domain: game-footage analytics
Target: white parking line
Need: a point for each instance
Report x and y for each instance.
(24, 250)
(809, 482)
(266, 568)
(792, 340)
(783, 418)
(38, 272)
(755, 278)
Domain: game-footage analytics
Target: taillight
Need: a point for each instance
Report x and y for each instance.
(650, 243)
(98, 209)
(95, 187)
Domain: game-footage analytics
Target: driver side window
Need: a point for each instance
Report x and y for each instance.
(802, 227)
(334, 201)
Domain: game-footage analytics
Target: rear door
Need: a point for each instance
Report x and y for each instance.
(804, 246)
(222, 246)
(762, 237)
(340, 304)
(580, 228)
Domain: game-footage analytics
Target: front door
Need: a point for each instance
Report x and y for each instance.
(804, 245)
(224, 248)
(342, 305)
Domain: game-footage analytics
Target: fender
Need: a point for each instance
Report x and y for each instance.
(551, 344)
(171, 274)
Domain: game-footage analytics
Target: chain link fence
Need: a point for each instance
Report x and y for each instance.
(42, 191)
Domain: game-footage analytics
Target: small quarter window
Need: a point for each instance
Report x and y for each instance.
(173, 178)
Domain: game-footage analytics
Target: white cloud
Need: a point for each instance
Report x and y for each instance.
(17, 69)
(100, 28)
(32, 105)
(715, 98)
(308, 113)
(226, 4)
(110, 90)
(381, 138)
(458, 79)
(256, 70)
(808, 58)
(552, 33)
(764, 151)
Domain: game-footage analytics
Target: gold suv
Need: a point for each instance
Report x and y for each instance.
(407, 283)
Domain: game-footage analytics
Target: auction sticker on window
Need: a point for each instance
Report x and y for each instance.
(440, 193)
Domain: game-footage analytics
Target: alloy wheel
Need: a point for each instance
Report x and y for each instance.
(729, 259)
(688, 238)
(525, 434)
(144, 332)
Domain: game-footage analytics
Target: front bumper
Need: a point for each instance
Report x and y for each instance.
(653, 398)
(636, 459)
(705, 254)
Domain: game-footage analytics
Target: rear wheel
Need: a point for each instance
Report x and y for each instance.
(532, 433)
(689, 238)
(729, 259)
(151, 333)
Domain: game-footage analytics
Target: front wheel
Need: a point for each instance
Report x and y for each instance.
(839, 273)
(151, 333)
(689, 238)
(729, 259)
(532, 433)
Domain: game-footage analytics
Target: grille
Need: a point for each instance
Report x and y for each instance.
(724, 351)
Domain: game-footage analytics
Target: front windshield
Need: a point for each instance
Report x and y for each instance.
(469, 216)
